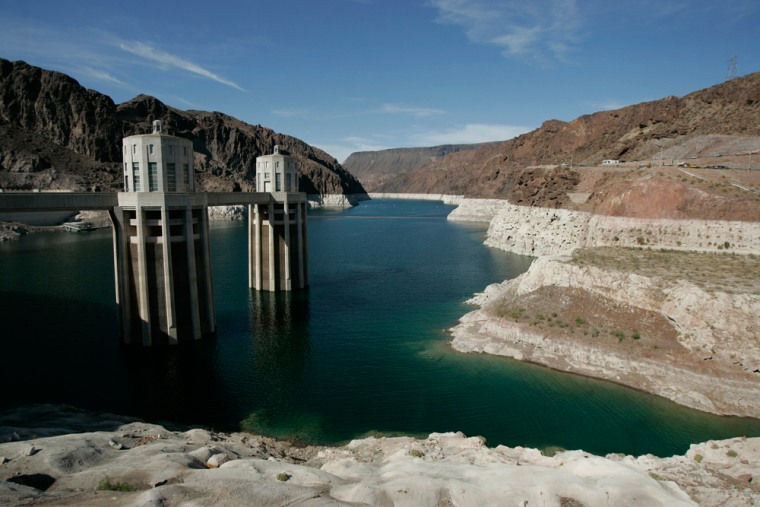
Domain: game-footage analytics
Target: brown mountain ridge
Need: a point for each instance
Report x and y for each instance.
(720, 124)
(56, 134)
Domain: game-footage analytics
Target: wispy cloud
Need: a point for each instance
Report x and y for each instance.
(348, 145)
(609, 105)
(101, 75)
(293, 113)
(417, 112)
(470, 134)
(544, 31)
(152, 54)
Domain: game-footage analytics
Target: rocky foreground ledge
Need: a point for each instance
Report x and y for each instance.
(78, 458)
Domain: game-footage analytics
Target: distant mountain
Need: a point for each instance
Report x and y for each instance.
(522, 169)
(55, 134)
(373, 168)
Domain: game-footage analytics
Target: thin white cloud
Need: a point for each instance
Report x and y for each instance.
(157, 56)
(101, 75)
(470, 134)
(417, 112)
(348, 145)
(609, 105)
(543, 31)
(293, 113)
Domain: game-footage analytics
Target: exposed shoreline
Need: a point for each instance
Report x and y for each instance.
(688, 353)
(65, 456)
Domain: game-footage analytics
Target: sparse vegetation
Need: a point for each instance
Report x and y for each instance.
(731, 453)
(105, 484)
(552, 451)
(416, 453)
(698, 458)
(283, 477)
(712, 272)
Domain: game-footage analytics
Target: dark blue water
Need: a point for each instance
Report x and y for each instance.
(364, 350)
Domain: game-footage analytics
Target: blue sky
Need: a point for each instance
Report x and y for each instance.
(354, 75)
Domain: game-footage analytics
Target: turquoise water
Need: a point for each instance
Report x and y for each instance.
(363, 351)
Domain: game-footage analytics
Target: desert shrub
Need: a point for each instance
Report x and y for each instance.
(105, 484)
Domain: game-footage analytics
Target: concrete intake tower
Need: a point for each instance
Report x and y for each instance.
(164, 284)
(164, 281)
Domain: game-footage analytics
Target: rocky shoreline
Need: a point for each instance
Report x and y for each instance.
(700, 347)
(72, 457)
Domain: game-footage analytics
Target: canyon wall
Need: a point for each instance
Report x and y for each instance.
(549, 231)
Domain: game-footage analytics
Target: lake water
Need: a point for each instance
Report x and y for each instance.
(362, 351)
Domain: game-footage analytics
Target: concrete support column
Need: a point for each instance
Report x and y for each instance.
(143, 297)
(255, 276)
(192, 274)
(273, 251)
(286, 256)
(120, 228)
(206, 245)
(305, 245)
(300, 245)
(171, 320)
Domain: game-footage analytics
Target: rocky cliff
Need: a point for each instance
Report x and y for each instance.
(717, 121)
(374, 168)
(661, 305)
(55, 134)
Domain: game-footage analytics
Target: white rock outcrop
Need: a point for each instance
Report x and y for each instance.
(335, 200)
(547, 231)
(714, 326)
(160, 467)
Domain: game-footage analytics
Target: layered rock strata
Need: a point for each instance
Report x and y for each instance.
(548, 231)
(700, 346)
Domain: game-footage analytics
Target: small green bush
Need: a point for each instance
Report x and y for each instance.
(580, 321)
(105, 484)
(636, 335)
(416, 453)
(618, 334)
(731, 453)
(282, 477)
(698, 458)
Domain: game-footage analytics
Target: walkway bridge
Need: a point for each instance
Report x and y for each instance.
(163, 278)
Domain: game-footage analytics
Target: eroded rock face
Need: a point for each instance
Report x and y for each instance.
(692, 331)
(50, 122)
(374, 168)
(672, 127)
